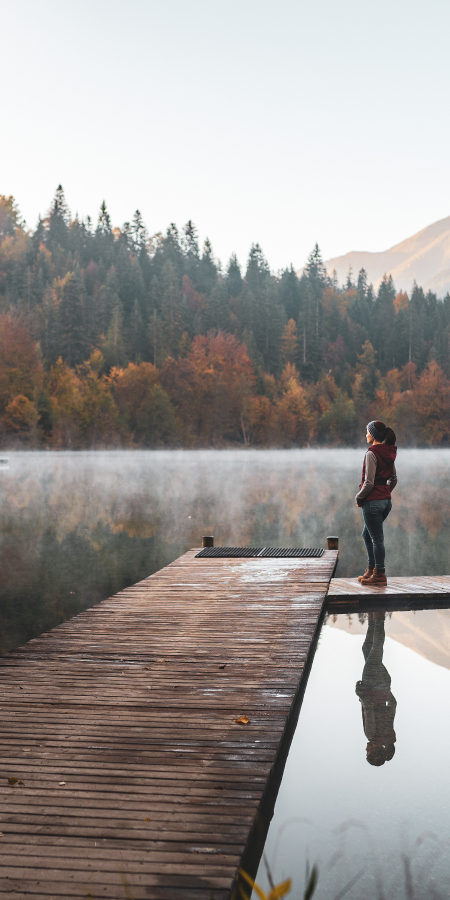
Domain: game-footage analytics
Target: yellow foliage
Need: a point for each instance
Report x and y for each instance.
(289, 342)
(20, 417)
(294, 413)
(333, 299)
(431, 402)
(277, 892)
(400, 301)
(262, 420)
(289, 374)
(20, 367)
(322, 394)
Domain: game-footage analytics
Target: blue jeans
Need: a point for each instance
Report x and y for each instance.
(374, 514)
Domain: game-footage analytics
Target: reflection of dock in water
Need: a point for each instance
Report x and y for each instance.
(347, 595)
(400, 596)
(140, 738)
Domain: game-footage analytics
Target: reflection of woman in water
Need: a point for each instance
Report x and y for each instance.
(374, 496)
(374, 691)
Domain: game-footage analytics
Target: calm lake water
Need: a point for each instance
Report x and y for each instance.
(375, 832)
(76, 527)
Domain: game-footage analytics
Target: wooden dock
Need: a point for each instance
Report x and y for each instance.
(142, 741)
(348, 595)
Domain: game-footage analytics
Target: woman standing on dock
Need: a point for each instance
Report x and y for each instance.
(374, 496)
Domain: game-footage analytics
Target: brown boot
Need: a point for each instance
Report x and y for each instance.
(367, 574)
(377, 579)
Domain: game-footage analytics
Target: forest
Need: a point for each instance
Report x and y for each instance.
(110, 337)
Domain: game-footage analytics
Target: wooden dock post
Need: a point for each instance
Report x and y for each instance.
(332, 542)
(208, 540)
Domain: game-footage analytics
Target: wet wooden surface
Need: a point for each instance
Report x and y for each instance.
(121, 724)
(406, 593)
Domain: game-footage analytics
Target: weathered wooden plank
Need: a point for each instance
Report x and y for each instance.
(133, 706)
(343, 587)
(348, 595)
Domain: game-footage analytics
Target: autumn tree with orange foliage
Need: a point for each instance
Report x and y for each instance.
(20, 419)
(65, 392)
(212, 388)
(289, 342)
(20, 366)
(431, 404)
(294, 415)
(21, 374)
(99, 416)
(144, 405)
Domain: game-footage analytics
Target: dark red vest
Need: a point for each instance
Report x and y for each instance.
(385, 455)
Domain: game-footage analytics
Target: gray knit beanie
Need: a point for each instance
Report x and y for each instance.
(378, 435)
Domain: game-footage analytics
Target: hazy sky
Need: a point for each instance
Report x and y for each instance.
(279, 121)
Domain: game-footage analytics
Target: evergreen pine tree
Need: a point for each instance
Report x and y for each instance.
(315, 270)
(80, 241)
(290, 295)
(49, 328)
(247, 311)
(72, 318)
(442, 336)
(383, 324)
(309, 333)
(137, 336)
(126, 235)
(217, 315)
(104, 220)
(191, 252)
(39, 235)
(131, 282)
(155, 333)
(113, 347)
(106, 300)
(312, 285)
(58, 222)
(104, 240)
(233, 277)
(139, 234)
(349, 284)
(171, 251)
(432, 319)
(207, 270)
(257, 268)
(366, 369)
(171, 308)
(361, 310)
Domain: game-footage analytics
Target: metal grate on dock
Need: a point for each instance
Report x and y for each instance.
(261, 552)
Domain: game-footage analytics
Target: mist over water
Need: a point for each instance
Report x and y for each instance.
(76, 527)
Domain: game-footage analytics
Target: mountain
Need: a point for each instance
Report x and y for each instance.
(424, 258)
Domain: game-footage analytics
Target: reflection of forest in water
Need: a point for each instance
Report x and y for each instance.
(76, 527)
